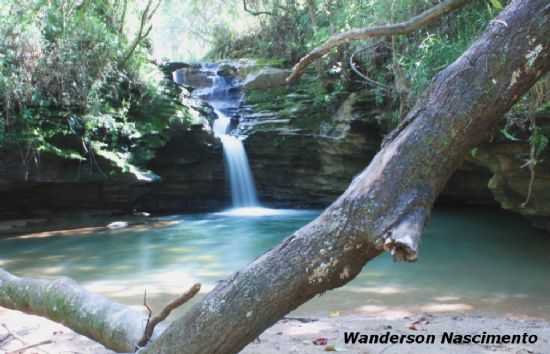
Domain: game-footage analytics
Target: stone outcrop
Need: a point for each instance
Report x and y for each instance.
(266, 78)
(190, 167)
(313, 165)
(192, 174)
(296, 165)
(50, 184)
(511, 178)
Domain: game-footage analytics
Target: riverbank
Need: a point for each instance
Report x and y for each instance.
(308, 335)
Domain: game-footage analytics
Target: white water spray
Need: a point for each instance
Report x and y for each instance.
(225, 101)
(243, 190)
(225, 98)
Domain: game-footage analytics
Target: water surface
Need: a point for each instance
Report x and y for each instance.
(471, 260)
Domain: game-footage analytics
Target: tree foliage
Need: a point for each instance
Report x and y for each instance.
(73, 82)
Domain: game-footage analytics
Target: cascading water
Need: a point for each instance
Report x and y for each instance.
(243, 191)
(225, 98)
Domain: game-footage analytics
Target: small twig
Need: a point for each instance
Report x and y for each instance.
(301, 319)
(149, 311)
(363, 76)
(5, 338)
(531, 164)
(255, 13)
(10, 333)
(153, 322)
(21, 350)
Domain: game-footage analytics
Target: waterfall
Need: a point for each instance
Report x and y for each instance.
(224, 95)
(243, 191)
(225, 101)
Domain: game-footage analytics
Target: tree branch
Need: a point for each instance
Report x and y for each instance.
(146, 16)
(21, 350)
(152, 323)
(255, 13)
(114, 325)
(401, 28)
(363, 76)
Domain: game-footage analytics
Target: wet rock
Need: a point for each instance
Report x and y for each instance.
(227, 70)
(193, 77)
(192, 174)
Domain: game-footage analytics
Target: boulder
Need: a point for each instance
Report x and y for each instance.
(227, 70)
(193, 77)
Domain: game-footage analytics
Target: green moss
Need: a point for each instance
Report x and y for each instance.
(306, 104)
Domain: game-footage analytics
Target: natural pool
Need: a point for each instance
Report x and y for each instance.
(471, 260)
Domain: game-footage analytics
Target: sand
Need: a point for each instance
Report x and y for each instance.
(307, 335)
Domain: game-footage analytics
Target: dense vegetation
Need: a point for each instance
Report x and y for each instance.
(395, 69)
(78, 79)
(76, 82)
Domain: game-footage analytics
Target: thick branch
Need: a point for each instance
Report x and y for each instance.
(401, 28)
(116, 326)
(122, 21)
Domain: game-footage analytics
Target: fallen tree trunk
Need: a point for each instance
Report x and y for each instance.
(385, 207)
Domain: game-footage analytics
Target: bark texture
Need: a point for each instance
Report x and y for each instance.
(387, 205)
(114, 325)
(384, 208)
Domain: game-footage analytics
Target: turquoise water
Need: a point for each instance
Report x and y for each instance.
(471, 260)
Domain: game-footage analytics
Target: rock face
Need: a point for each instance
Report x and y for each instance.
(266, 78)
(306, 167)
(314, 165)
(192, 76)
(322, 167)
(53, 184)
(192, 175)
(510, 179)
(190, 167)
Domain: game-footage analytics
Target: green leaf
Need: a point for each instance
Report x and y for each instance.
(496, 4)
